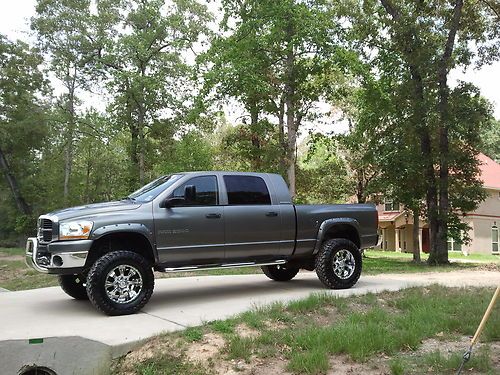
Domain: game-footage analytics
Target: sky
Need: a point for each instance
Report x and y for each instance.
(14, 23)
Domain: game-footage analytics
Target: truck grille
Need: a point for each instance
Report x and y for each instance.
(45, 230)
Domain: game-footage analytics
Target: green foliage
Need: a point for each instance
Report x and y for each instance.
(193, 334)
(23, 131)
(490, 140)
(322, 175)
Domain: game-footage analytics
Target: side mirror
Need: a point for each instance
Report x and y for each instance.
(189, 197)
(190, 193)
(172, 202)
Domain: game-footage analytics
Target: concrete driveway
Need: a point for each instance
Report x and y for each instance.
(68, 326)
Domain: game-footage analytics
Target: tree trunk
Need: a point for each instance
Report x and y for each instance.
(427, 163)
(360, 186)
(290, 112)
(420, 121)
(70, 130)
(416, 232)
(21, 204)
(281, 134)
(255, 137)
(141, 146)
(440, 255)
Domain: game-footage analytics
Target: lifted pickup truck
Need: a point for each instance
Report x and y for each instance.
(106, 252)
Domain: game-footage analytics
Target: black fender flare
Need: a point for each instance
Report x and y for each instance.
(331, 223)
(137, 228)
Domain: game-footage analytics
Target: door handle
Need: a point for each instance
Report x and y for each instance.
(272, 214)
(213, 216)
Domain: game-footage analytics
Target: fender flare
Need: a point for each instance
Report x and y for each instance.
(136, 228)
(329, 224)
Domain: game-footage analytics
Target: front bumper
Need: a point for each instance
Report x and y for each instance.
(57, 257)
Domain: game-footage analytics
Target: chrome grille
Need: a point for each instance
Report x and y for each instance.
(45, 230)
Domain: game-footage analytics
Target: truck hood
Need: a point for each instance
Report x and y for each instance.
(95, 209)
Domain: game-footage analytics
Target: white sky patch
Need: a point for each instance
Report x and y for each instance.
(14, 23)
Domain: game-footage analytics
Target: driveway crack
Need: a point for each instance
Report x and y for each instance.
(164, 319)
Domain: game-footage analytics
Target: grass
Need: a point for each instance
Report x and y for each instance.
(377, 265)
(451, 255)
(442, 363)
(15, 275)
(167, 364)
(308, 333)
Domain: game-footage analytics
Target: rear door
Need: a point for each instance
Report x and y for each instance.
(252, 222)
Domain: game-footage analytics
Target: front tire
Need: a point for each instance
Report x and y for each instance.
(280, 272)
(73, 286)
(338, 263)
(120, 283)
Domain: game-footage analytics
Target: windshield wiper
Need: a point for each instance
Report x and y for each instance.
(128, 199)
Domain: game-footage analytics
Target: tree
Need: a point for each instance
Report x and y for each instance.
(428, 39)
(277, 60)
(147, 69)
(22, 120)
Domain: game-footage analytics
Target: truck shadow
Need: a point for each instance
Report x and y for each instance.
(263, 290)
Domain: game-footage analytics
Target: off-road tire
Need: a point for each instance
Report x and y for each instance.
(280, 272)
(74, 286)
(324, 263)
(97, 276)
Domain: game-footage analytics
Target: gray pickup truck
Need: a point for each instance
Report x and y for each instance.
(106, 252)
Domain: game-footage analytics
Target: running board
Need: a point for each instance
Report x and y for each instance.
(221, 266)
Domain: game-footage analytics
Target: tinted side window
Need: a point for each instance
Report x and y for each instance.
(246, 190)
(206, 191)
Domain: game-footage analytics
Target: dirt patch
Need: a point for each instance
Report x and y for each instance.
(327, 316)
(208, 348)
(5, 257)
(343, 365)
(246, 332)
(489, 267)
(149, 350)
(256, 366)
(461, 344)
(274, 325)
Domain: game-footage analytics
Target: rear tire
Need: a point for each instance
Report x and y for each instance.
(120, 283)
(280, 272)
(338, 263)
(73, 286)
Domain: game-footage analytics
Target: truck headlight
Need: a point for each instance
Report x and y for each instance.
(74, 230)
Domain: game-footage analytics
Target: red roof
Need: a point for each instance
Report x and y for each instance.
(490, 172)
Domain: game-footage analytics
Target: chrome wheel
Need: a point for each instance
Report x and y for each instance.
(123, 284)
(343, 264)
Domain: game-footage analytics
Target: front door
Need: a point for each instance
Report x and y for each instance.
(253, 224)
(193, 232)
(425, 240)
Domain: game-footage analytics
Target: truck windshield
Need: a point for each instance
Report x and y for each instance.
(150, 191)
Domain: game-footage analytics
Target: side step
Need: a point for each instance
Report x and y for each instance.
(221, 266)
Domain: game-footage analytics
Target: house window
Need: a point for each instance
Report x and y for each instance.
(454, 245)
(494, 239)
(390, 205)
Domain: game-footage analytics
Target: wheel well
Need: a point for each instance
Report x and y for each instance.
(135, 242)
(343, 231)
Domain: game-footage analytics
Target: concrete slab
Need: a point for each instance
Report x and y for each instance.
(176, 304)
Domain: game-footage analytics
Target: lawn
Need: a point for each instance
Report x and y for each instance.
(452, 255)
(15, 275)
(418, 330)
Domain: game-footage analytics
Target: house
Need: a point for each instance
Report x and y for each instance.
(396, 225)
